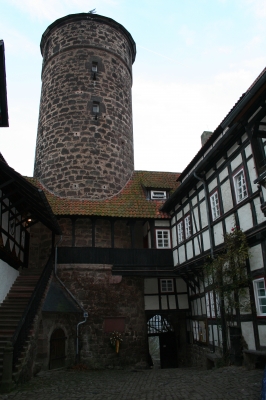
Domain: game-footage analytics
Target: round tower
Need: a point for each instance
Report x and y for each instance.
(84, 143)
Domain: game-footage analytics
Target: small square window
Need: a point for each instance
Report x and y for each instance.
(95, 108)
(180, 232)
(94, 67)
(240, 186)
(158, 194)
(163, 239)
(215, 207)
(260, 296)
(167, 285)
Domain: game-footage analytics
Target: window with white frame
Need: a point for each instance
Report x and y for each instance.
(188, 230)
(240, 186)
(260, 296)
(215, 207)
(180, 232)
(158, 194)
(167, 285)
(163, 238)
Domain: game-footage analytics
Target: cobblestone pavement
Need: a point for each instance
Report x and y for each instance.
(224, 383)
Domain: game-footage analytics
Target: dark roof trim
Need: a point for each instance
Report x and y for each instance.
(34, 199)
(3, 92)
(95, 17)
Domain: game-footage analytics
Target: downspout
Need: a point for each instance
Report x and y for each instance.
(85, 314)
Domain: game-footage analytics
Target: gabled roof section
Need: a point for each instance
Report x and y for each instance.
(3, 91)
(26, 198)
(131, 202)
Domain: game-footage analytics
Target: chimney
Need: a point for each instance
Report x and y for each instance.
(205, 136)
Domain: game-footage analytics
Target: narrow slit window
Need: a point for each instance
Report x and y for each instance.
(94, 67)
(95, 108)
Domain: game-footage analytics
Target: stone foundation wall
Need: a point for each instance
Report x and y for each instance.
(102, 296)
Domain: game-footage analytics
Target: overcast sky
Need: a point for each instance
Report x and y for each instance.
(194, 60)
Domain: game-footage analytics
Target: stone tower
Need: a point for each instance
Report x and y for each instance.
(84, 143)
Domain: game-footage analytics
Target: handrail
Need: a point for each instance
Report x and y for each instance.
(23, 329)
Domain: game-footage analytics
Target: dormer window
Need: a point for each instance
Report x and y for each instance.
(158, 194)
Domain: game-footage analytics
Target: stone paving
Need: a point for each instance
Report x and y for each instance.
(180, 383)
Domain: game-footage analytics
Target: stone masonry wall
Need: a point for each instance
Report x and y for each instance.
(77, 155)
(103, 295)
(40, 245)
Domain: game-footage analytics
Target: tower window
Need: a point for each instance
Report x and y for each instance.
(95, 108)
(94, 67)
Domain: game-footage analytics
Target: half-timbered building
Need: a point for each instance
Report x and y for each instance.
(222, 190)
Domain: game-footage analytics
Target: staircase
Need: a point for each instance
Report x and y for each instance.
(14, 305)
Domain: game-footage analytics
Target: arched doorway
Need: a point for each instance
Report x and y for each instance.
(57, 349)
(162, 342)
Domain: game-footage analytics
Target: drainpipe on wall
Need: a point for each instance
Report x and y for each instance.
(85, 314)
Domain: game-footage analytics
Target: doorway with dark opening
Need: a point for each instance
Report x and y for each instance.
(57, 349)
(162, 342)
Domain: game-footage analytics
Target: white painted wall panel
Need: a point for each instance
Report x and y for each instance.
(248, 334)
(248, 150)
(189, 250)
(194, 200)
(191, 192)
(8, 276)
(150, 285)
(164, 303)
(229, 223)
(218, 234)
(259, 213)
(182, 255)
(244, 137)
(175, 257)
(203, 305)
(219, 162)
(203, 214)
(212, 184)
(206, 240)
(252, 174)
(227, 196)
(201, 195)
(162, 222)
(173, 220)
(174, 239)
(236, 162)
(223, 174)
(151, 302)
(233, 149)
(195, 219)
(182, 301)
(186, 209)
(209, 173)
(179, 215)
(196, 247)
(181, 285)
(172, 302)
(255, 259)
(245, 217)
(262, 334)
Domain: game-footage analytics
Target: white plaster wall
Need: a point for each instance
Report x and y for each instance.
(150, 285)
(182, 255)
(194, 200)
(203, 305)
(179, 215)
(151, 302)
(162, 223)
(219, 162)
(195, 219)
(172, 302)
(209, 173)
(232, 149)
(206, 240)
(262, 334)
(175, 257)
(259, 213)
(227, 196)
(236, 162)
(223, 174)
(229, 223)
(8, 276)
(245, 217)
(203, 215)
(218, 234)
(248, 150)
(186, 209)
(174, 239)
(189, 250)
(181, 285)
(191, 192)
(252, 174)
(244, 137)
(212, 184)
(248, 334)
(255, 259)
(164, 302)
(182, 301)
(196, 247)
(201, 195)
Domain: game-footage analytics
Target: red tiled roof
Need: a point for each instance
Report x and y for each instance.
(131, 202)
